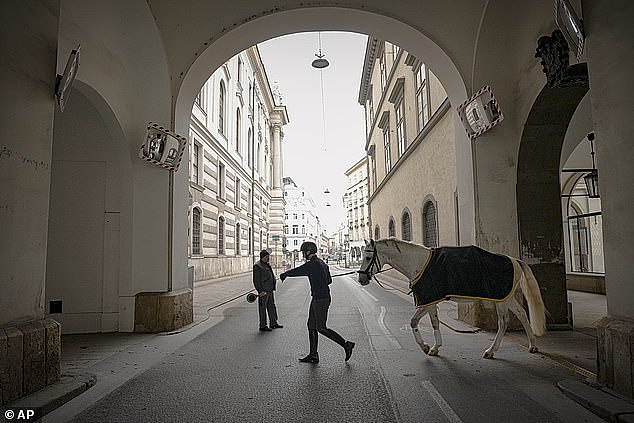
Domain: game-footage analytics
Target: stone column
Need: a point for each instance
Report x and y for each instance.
(610, 37)
(276, 227)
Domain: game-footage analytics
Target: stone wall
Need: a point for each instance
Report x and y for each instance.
(29, 358)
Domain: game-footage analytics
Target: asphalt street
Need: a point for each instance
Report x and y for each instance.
(233, 372)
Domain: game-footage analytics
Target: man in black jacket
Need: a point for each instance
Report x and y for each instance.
(319, 278)
(264, 282)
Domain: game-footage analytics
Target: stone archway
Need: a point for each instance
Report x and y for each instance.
(538, 190)
(324, 18)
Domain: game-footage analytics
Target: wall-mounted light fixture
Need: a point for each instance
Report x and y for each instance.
(592, 178)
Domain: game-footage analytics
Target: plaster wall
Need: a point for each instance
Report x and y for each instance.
(28, 41)
(123, 61)
(84, 221)
(610, 43)
(435, 179)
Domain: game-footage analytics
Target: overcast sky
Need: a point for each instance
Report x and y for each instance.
(313, 160)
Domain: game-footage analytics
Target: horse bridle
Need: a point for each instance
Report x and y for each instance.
(374, 262)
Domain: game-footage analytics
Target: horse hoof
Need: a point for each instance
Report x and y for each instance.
(533, 350)
(433, 352)
(425, 349)
(487, 354)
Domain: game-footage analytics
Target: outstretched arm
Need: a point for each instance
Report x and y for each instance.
(298, 271)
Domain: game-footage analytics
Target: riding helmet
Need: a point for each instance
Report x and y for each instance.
(309, 247)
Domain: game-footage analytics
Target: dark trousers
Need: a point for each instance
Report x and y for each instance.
(317, 316)
(266, 305)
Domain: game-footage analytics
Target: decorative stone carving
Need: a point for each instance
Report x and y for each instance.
(554, 54)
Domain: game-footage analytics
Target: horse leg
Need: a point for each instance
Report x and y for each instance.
(420, 312)
(435, 322)
(503, 317)
(519, 311)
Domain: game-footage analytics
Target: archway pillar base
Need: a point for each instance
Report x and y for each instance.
(29, 358)
(615, 355)
(163, 311)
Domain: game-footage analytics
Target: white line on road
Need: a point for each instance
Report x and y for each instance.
(365, 291)
(444, 407)
(387, 333)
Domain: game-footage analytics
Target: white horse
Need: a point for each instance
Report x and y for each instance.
(410, 259)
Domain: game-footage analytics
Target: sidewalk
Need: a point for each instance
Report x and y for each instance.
(94, 362)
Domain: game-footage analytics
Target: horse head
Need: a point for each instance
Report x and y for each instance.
(369, 264)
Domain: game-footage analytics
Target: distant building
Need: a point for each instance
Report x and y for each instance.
(235, 190)
(355, 201)
(300, 221)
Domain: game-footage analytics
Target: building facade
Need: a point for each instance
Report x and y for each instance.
(410, 144)
(300, 221)
(355, 201)
(235, 160)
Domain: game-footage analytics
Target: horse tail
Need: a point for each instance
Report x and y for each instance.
(533, 296)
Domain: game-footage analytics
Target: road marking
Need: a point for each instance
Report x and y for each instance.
(370, 295)
(387, 333)
(440, 401)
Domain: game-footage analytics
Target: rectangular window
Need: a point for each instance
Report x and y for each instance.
(221, 180)
(370, 106)
(399, 112)
(386, 147)
(383, 70)
(238, 193)
(396, 50)
(295, 230)
(422, 103)
(195, 160)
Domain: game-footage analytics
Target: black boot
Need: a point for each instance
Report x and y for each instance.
(310, 358)
(348, 346)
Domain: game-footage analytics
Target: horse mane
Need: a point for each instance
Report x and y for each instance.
(401, 241)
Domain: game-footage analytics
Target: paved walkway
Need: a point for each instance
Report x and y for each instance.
(87, 359)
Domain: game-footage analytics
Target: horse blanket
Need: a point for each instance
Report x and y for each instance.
(463, 272)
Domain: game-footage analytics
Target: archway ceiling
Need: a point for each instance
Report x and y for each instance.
(188, 27)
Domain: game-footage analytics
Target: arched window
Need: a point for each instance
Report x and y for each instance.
(196, 218)
(221, 236)
(430, 231)
(238, 240)
(391, 227)
(406, 226)
(238, 146)
(221, 108)
(377, 232)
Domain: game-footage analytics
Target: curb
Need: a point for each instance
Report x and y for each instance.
(599, 401)
(54, 396)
